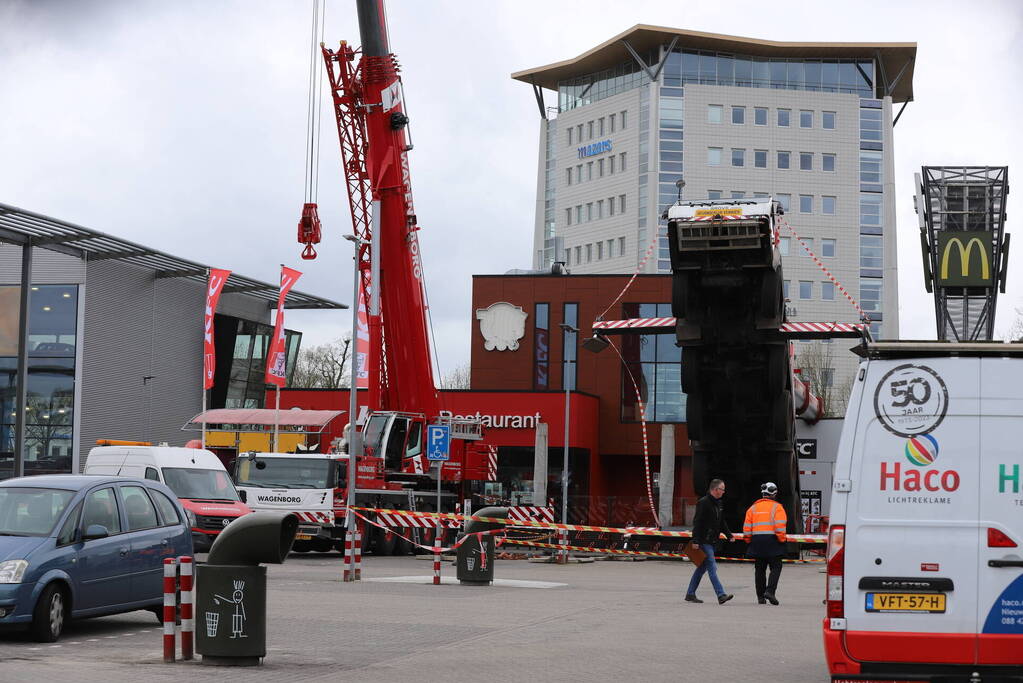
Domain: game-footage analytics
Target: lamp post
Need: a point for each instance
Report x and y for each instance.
(354, 446)
(568, 414)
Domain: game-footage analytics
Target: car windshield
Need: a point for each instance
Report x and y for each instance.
(31, 511)
(198, 483)
(290, 473)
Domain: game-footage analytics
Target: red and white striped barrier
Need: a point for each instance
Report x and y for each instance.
(531, 513)
(402, 518)
(187, 617)
(436, 561)
(357, 554)
(827, 273)
(316, 516)
(170, 603)
(667, 325)
(349, 573)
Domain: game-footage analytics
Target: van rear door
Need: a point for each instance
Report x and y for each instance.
(1000, 558)
(911, 534)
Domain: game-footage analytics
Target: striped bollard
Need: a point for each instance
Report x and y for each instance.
(187, 620)
(169, 604)
(357, 553)
(349, 568)
(562, 541)
(436, 560)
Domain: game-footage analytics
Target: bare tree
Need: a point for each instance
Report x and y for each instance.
(457, 378)
(816, 364)
(324, 366)
(1015, 331)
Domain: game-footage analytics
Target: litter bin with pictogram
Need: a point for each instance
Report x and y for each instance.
(230, 598)
(475, 557)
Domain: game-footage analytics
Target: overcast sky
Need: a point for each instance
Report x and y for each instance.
(181, 125)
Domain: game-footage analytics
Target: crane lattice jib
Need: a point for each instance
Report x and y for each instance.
(371, 127)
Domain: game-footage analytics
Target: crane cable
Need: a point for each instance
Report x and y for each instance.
(313, 104)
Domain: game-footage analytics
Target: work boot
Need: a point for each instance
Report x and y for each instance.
(692, 598)
(770, 598)
(724, 597)
(762, 600)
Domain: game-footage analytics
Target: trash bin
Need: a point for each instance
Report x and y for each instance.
(475, 557)
(230, 599)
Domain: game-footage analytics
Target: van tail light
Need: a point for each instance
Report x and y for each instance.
(997, 539)
(836, 572)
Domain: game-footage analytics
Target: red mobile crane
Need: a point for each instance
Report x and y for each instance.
(402, 399)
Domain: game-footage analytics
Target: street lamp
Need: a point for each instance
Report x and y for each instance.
(353, 438)
(568, 414)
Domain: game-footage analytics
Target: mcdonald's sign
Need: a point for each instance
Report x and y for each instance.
(965, 259)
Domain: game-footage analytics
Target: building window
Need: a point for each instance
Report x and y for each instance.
(621, 246)
(738, 194)
(808, 241)
(870, 167)
(806, 161)
(600, 168)
(568, 256)
(600, 209)
(600, 251)
(739, 115)
(805, 289)
(738, 157)
(828, 162)
(568, 176)
(760, 158)
(714, 113)
(589, 130)
(761, 195)
(654, 362)
(713, 194)
(828, 290)
(871, 252)
(579, 132)
(784, 243)
(578, 255)
(611, 122)
(759, 116)
(623, 120)
(870, 209)
(828, 120)
(610, 248)
(589, 211)
(541, 346)
(611, 165)
(621, 203)
(784, 199)
(870, 294)
(783, 159)
(828, 248)
(578, 213)
(610, 206)
(569, 346)
(621, 158)
(806, 203)
(589, 253)
(579, 173)
(870, 125)
(783, 117)
(805, 118)
(569, 136)
(713, 156)
(828, 206)
(568, 216)
(589, 170)
(785, 289)
(600, 125)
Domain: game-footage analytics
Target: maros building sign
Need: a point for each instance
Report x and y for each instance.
(594, 149)
(965, 259)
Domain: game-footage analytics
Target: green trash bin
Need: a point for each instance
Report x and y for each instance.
(474, 559)
(230, 588)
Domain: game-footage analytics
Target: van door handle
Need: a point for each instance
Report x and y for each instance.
(1005, 563)
(124, 551)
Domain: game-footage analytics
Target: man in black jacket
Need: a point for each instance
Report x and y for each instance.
(708, 523)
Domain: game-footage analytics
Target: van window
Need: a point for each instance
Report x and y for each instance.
(101, 508)
(168, 512)
(151, 473)
(199, 483)
(141, 513)
(67, 532)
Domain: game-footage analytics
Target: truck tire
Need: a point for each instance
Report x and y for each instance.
(691, 371)
(301, 547)
(694, 419)
(771, 306)
(384, 542)
(701, 472)
(50, 614)
(782, 416)
(777, 369)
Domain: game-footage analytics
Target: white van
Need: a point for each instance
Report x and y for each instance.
(196, 476)
(925, 553)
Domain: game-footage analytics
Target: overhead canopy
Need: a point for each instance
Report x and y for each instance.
(18, 226)
(264, 417)
(892, 56)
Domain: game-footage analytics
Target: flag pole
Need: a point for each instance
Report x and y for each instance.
(277, 387)
(206, 290)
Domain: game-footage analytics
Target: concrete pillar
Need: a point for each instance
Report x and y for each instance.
(540, 465)
(667, 477)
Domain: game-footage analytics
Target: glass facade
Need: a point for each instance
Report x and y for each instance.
(49, 409)
(655, 363)
(246, 344)
(569, 345)
(590, 88)
(549, 192)
(541, 346)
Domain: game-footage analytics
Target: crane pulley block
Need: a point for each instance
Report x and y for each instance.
(309, 230)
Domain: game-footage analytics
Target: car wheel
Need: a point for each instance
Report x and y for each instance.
(49, 615)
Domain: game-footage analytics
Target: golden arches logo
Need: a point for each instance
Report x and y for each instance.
(964, 258)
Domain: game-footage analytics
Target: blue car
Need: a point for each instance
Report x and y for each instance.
(74, 546)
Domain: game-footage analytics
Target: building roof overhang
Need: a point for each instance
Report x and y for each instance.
(18, 226)
(895, 58)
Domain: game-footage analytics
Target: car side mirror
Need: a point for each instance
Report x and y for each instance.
(244, 495)
(95, 531)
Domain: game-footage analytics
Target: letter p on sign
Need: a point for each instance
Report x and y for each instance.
(438, 440)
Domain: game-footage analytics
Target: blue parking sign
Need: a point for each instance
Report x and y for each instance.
(438, 441)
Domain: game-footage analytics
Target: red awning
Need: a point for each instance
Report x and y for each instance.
(266, 416)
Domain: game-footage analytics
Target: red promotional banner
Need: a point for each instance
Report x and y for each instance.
(209, 354)
(362, 346)
(276, 359)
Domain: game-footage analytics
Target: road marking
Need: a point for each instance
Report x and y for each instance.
(450, 580)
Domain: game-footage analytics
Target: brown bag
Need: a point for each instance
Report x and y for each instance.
(694, 553)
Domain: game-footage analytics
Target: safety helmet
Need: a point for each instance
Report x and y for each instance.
(768, 488)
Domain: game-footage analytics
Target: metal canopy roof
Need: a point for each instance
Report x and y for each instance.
(19, 226)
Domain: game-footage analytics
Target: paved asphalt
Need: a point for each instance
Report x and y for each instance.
(609, 621)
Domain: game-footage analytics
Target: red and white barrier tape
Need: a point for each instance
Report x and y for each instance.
(639, 269)
(640, 553)
(827, 273)
(454, 546)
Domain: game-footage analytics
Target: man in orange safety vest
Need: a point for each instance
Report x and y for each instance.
(764, 530)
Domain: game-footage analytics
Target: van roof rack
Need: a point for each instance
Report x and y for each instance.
(916, 349)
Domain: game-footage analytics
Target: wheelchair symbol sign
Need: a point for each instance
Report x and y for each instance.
(438, 441)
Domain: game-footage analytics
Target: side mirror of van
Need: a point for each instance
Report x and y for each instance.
(244, 495)
(95, 531)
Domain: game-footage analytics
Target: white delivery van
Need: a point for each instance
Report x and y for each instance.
(195, 475)
(925, 553)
